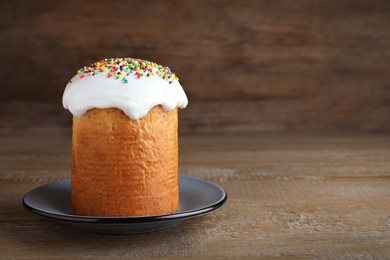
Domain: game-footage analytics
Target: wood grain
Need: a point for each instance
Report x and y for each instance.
(291, 195)
(218, 116)
(308, 65)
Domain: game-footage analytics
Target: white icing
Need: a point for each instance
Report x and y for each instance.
(134, 98)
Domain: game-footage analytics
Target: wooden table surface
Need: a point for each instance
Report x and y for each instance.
(290, 195)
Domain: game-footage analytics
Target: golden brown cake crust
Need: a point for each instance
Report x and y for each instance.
(123, 167)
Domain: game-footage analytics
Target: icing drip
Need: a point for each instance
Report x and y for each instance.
(132, 85)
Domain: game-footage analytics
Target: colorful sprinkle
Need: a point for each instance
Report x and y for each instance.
(123, 68)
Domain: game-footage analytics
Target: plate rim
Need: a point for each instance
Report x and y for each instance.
(176, 216)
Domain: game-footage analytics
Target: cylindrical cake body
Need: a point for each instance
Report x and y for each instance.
(124, 167)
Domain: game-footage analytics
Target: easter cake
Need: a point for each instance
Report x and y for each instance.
(124, 138)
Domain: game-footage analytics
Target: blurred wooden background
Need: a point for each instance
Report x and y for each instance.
(245, 65)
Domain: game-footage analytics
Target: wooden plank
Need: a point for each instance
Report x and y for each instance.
(327, 72)
(291, 195)
(225, 116)
(329, 59)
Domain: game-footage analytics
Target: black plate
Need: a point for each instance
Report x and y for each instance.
(196, 197)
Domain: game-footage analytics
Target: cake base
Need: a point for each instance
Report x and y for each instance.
(123, 167)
